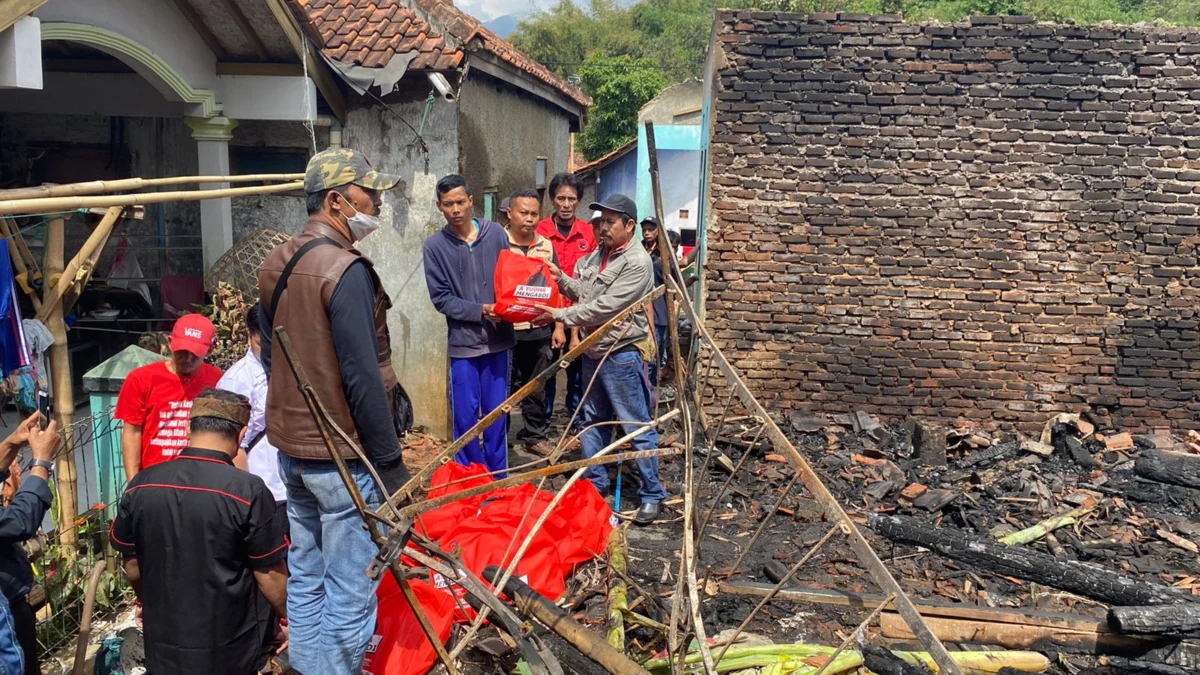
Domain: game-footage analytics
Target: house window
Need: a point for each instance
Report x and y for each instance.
(540, 172)
(489, 204)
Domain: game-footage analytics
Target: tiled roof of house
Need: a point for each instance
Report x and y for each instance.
(615, 154)
(369, 32)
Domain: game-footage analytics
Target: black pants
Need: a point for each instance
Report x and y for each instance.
(530, 357)
(25, 624)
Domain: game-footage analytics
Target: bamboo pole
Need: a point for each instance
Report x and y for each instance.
(95, 187)
(618, 593)
(54, 204)
(95, 242)
(63, 396)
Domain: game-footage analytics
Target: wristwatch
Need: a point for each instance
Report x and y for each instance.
(41, 463)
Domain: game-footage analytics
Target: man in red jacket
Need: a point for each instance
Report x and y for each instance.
(572, 239)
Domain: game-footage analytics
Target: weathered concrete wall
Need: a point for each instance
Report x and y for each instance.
(418, 331)
(280, 212)
(502, 132)
(70, 148)
(994, 220)
(677, 104)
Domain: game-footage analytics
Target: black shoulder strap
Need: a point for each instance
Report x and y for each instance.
(281, 285)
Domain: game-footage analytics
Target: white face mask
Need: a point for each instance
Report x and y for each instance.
(361, 224)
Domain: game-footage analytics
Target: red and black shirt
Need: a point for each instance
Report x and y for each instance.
(199, 528)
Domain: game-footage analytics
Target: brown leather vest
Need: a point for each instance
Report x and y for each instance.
(303, 312)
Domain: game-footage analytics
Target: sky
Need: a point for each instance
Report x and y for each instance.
(490, 9)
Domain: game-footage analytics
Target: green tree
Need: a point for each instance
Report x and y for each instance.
(620, 86)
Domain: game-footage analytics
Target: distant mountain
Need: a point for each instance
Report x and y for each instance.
(504, 25)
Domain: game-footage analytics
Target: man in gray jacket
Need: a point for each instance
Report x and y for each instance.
(606, 282)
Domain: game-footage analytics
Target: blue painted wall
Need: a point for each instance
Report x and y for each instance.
(619, 177)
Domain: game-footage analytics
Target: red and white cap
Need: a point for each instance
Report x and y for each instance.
(193, 333)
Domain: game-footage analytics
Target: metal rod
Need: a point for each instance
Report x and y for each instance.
(763, 525)
(518, 396)
(767, 598)
(321, 417)
(673, 279)
(729, 479)
(857, 631)
(834, 512)
(553, 470)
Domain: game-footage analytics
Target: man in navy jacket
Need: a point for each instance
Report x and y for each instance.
(460, 268)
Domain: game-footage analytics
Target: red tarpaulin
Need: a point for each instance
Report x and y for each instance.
(481, 530)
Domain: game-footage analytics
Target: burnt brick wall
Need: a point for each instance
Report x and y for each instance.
(993, 220)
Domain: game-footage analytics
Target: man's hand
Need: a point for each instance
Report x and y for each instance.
(559, 339)
(44, 443)
(547, 314)
(24, 430)
(489, 312)
(555, 273)
(283, 633)
(17, 439)
(575, 339)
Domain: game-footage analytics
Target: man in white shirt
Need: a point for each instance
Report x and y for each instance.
(248, 378)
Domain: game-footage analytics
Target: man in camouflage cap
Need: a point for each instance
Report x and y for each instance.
(328, 298)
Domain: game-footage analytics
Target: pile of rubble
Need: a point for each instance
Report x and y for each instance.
(1081, 543)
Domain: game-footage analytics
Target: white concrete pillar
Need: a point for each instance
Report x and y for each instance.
(212, 136)
(21, 55)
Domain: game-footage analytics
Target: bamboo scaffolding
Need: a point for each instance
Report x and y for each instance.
(90, 250)
(63, 393)
(95, 187)
(12, 207)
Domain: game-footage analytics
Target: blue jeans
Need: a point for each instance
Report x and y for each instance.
(620, 392)
(331, 601)
(12, 658)
(660, 359)
(574, 386)
(478, 386)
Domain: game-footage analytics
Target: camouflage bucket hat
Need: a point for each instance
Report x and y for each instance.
(338, 167)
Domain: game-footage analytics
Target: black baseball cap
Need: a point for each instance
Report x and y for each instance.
(650, 220)
(619, 203)
(504, 205)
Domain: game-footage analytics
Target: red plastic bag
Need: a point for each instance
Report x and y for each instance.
(522, 282)
(399, 647)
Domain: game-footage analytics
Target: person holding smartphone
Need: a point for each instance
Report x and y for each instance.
(20, 521)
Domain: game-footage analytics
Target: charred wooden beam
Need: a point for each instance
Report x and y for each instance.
(1165, 466)
(1180, 619)
(1016, 561)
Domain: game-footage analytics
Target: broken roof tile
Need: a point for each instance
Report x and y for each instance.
(365, 31)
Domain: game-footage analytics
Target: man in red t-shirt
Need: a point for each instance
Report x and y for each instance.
(572, 239)
(155, 400)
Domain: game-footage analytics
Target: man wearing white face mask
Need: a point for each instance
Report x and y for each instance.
(326, 295)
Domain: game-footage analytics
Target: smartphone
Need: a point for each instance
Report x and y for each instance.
(43, 403)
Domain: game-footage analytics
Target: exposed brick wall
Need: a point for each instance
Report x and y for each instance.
(993, 220)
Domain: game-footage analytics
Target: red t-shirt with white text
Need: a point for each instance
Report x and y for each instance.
(159, 401)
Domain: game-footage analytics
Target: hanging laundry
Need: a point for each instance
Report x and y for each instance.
(125, 266)
(14, 346)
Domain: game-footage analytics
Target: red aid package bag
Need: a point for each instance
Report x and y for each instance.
(521, 283)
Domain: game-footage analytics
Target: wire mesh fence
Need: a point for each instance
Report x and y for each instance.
(62, 563)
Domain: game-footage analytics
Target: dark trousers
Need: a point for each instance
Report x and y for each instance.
(25, 624)
(574, 386)
(531, 357)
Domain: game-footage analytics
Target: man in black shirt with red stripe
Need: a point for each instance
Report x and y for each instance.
(203, 549)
